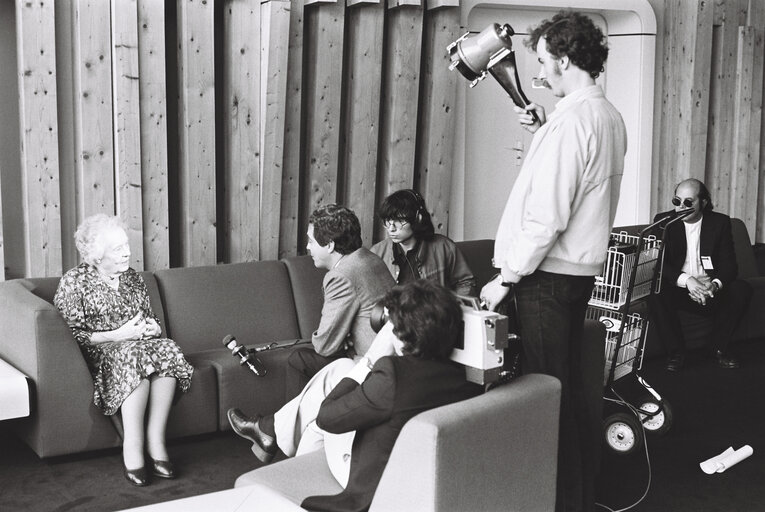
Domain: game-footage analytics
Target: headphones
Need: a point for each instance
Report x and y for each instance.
(420, 204)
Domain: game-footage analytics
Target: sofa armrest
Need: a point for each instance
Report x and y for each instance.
(497, 451)
(37, 341)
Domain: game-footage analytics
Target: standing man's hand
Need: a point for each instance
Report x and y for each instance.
(493, 293)
(527, 121)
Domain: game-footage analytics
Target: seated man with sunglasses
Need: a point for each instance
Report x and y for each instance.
(699, 276)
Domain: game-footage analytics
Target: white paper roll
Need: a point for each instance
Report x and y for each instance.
(735, 457)
(712, 465)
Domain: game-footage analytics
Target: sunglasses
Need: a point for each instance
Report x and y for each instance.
(687, 202)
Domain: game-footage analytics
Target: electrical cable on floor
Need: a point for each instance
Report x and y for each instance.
(647, 458)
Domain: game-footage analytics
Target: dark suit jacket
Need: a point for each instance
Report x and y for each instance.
(716, 241)
(397, 389)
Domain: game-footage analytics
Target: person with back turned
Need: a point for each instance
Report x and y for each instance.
(553, 235)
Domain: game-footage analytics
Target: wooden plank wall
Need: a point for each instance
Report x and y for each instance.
(277, 107)
(280, 106)
(712, 96)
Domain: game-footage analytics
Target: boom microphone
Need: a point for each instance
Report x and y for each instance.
(246, 357)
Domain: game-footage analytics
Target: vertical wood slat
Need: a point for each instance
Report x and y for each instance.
(362, 122)
(729, 16)
(93, 137)
(196, 112)
(241, 120)
(2, 248)
(275, 16)
(290, 191)
(662, 180)
(687, 48)
(127, 124)
(154, 147)
(748, 114)
(36, 58)
(401, 85)
(437, 119)
(325, 25)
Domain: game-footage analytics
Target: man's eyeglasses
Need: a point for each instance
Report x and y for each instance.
(394, 225)
(687, 202)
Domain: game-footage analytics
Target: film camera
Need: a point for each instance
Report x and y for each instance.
(481, 349)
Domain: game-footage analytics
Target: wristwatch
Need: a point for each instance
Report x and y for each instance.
(503, 283)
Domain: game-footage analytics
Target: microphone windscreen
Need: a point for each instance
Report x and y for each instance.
(228, 339)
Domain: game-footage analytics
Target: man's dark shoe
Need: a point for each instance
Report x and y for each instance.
(675, 361)
(726, 360)
(263, 446)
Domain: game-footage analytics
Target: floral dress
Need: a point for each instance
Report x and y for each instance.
(90, 305)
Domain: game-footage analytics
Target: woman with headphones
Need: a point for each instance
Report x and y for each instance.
(413, 250)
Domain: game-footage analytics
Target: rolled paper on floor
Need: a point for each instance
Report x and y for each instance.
(735, 457)
(712, 465)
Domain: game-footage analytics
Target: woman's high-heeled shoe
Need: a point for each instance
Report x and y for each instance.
(162, 468)
(137, 477)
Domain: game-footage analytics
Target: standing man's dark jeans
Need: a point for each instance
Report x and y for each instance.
(551, 310)
(302, 364)
(726, 309)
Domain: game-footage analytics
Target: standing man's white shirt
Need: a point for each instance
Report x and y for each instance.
(563, 203)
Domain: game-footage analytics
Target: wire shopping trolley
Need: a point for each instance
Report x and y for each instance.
(632, 272)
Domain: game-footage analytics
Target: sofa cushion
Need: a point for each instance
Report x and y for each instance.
(307, 281)
(252, 301)
(196, 411)
(239, 387)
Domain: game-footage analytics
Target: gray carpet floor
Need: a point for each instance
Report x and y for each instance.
(713, 409)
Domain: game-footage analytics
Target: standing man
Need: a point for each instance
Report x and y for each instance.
(699, 276)
(553, 235)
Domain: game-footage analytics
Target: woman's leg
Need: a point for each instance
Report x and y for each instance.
(133, 409)
(160, 401)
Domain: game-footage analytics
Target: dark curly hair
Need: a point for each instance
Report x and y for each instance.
(426, 317)
(404, 205)
(335, 223)
(574, 35)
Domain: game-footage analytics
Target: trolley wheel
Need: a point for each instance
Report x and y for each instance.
(623, 433)
(661, 422)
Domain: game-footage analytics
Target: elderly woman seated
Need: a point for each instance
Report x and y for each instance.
(135, 371)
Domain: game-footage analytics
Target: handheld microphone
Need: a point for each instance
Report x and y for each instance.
(246, 358)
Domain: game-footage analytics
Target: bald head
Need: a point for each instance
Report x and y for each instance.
(695, 192)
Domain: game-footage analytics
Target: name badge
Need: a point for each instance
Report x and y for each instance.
(706, 262)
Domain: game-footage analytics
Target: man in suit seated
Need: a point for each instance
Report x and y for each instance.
(355, 282)
(699, 276)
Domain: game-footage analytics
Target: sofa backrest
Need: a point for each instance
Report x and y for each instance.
(747, 263)
(252, 301)
(478, 255)
(306, 281)
(497, 451)
(45, 288)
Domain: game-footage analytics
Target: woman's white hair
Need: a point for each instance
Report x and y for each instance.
(88, 237)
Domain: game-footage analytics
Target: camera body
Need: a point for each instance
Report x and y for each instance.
(483, 340)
